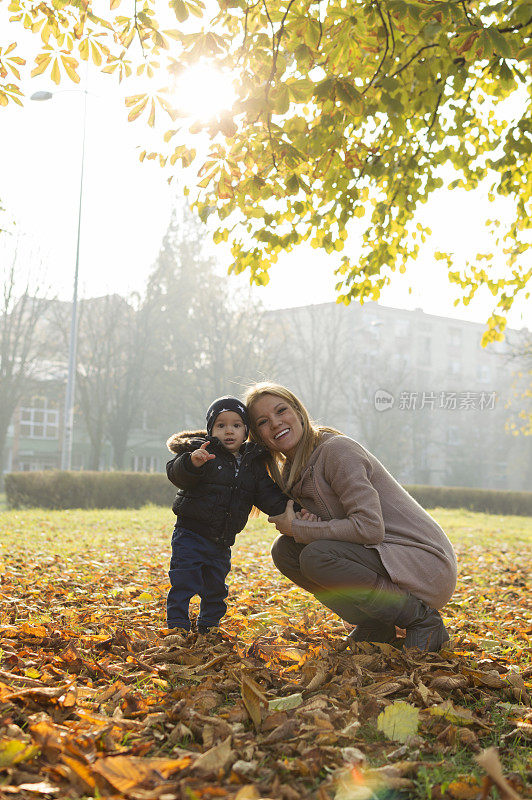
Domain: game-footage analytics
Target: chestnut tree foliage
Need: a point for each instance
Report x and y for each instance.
(345, 109)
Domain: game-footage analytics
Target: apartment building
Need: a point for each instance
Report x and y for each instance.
(417, 389)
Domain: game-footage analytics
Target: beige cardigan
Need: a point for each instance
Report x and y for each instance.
(359, 501)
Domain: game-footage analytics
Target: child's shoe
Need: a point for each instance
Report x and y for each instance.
(210, 634)
(176, 636)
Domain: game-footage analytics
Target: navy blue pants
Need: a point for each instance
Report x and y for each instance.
(198, 566)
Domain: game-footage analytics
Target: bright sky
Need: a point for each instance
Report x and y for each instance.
(127, 206)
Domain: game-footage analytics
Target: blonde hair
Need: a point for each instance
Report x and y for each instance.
(285, 472)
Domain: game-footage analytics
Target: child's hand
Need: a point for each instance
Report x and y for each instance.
(307, 516)
(201, 456)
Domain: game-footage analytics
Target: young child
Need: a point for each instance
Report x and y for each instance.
(220, 477)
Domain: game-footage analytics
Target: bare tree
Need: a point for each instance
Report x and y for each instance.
(21, 348)
(519, 357)
(232, 336)
(208, 338)
(114, 368)
(132, 368)
(311, 346)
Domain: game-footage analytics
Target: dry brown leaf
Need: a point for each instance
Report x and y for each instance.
(126, 772)
(254, 699)
(216, 758)
(317, 680)
(489, 760)
(489, 678)
(447, 683)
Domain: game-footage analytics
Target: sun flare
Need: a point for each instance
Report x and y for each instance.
(202, 92)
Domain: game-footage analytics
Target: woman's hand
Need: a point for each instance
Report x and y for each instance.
(307, 516)
(283, 522)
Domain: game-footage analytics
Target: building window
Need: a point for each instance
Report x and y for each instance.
(483, 373)
(425, 350)
(400, 361)
(455, 367)
(29, 464)
(452, 435)
(455, 337)
(40, 420)
(402, 328)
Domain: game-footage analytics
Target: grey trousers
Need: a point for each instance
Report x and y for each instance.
(341, 575)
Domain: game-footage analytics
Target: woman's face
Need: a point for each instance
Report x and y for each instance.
(278, 425)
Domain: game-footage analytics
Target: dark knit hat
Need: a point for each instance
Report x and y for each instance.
(226, 404)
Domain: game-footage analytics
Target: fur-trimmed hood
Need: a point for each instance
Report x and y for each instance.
(186, 441)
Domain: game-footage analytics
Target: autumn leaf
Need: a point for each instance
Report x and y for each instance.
(100, 698)
(456, 715)
(398, 721)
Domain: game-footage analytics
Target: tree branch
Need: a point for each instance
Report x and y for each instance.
(392, 33)
(434, 113)
(426, 47)
(516, 27)
(385, 51)
(466, 12)
(137, 28)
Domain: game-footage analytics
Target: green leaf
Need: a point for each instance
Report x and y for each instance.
(500, 43)
(292, 185)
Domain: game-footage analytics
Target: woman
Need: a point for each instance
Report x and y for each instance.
(373, 555)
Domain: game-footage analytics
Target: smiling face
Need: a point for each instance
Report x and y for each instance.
(277, 423)
(230, 430)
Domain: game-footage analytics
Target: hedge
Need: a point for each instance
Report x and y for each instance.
(55, 489)
(488, 501)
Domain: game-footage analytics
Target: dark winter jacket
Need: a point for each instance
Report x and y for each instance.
(215, 499)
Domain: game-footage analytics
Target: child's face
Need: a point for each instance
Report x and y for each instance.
(230, 430)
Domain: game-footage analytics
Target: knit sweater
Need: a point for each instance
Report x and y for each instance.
(359, 501)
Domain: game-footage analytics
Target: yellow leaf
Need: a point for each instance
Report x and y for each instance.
(68, 64)
(32, 673)
(96, 55)
(137, 111)
(42, 62)
(151, 118)
(12, 751)
(398, 721)
(55, 73)
(454, 714)
(248, 792)
(81, 771)
(145, 597)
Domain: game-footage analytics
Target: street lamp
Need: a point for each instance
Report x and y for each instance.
(68, 419)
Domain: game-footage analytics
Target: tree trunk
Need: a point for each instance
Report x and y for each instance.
(119, 451)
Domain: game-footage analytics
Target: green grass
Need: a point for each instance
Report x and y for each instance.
(67, 532)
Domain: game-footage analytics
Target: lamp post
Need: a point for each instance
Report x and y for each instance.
(68, 418)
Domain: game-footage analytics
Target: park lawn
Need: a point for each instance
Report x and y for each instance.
(87, 675)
